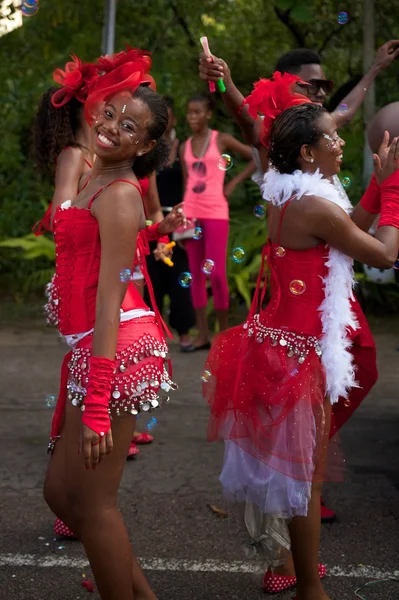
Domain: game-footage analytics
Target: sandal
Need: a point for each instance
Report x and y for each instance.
(142, 438)
(272, 584)
(133, 452)
(61, 530)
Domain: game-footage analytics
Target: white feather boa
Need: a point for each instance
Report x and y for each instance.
(336, 313)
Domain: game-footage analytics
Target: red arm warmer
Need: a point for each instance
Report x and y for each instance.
(95, 414)
(390, 201)
(371, 200)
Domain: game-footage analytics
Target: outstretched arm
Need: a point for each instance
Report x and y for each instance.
(384, 57)
(212, 69)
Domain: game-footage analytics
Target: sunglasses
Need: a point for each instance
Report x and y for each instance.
(199, 168)
(314, 85)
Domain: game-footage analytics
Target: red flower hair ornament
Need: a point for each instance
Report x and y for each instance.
(123, 71)
(75, 80)
(271, 97)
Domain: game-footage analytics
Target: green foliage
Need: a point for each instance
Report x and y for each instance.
(249, 34)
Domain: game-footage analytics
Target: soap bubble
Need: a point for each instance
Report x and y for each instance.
(208, 266)
(50, 401)
(29, 8)
(206, 376)
(185, 279)
(125, 275)
(343, 18)
(346, 183)
(225, 162)
(197, 233)
(396, 265)
(152, 423)
(238, 254)
(342, 109)
(259, 211)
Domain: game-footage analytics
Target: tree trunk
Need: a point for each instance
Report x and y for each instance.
(369, 103)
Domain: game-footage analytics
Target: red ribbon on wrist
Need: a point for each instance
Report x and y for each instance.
(95, 414)
(390, 201)
(371, 199)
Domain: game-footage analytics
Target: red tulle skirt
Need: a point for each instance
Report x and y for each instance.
(266, 393)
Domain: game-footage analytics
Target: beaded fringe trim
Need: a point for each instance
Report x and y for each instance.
(295, 344)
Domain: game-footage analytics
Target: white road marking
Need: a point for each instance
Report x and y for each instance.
(176, 564)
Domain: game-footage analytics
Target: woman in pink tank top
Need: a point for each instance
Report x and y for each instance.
(205, 199)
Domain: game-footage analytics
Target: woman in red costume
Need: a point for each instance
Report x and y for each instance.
(63, 153)
(117, 365)
(271, 383)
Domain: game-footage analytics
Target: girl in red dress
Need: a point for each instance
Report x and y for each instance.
(118, 363)
(271, 383)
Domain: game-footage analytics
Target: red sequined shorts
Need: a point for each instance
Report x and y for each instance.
(142, 375)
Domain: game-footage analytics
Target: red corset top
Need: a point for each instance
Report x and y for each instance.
(77, 267)
(296, 286)
(297, 289)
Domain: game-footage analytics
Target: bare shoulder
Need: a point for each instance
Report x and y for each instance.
(120, 201)
(70, 156)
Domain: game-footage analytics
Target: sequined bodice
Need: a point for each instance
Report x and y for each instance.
(77, 267)
(296, 288)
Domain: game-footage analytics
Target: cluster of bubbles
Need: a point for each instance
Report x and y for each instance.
(238, 254)
(343, 18)
(50, 401)
(206, 376)
(29, 7)
(346, 182)
(208, 266)
(259, 211)
(225, 162)
(185, 279)
(125, 275)
(152, 423)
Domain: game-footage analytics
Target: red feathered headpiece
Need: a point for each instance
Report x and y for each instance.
(123, 71)
(271, 97)
(75, 80)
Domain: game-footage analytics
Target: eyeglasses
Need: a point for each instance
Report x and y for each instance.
(199, 168)
(314, 85)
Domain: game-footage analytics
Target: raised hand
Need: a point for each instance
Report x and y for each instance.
(212, 68)
(386, 54)
(386, 161)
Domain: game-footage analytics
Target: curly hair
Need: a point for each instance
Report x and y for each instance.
(158, 156)
(53, 130)
(204, 97)
(292, 129)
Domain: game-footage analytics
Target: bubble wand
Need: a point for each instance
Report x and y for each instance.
(166, 259)
(207, 52)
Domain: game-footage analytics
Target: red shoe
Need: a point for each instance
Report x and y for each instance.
(62, 530)
(327, 515)
(133, 452)
(272, 584)
(143, 438)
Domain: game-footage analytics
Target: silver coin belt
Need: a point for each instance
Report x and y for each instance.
(294, 344)
(133, 392)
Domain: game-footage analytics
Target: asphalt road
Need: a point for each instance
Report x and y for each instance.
(188, 552)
